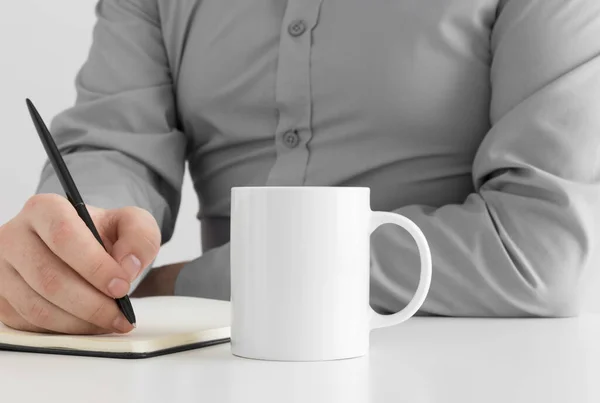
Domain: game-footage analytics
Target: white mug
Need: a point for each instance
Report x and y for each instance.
(300, 271)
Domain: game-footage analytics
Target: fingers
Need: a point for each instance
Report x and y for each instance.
(35, 310)
(56, 282)
(56, 222)
(12, 319)
(137, 234)
(138, 238)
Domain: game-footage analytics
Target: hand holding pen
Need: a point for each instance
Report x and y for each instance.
(61, 273)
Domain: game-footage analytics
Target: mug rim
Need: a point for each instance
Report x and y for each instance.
(301, 188)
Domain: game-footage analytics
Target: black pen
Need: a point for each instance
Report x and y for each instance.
(72, 193)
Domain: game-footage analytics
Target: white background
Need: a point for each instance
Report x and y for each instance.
(43, 43)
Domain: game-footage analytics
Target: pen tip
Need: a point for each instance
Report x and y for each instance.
(134, 325)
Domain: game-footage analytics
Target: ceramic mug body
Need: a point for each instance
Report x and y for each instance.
(300, 272)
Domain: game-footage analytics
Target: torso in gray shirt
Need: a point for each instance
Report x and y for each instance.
(471, 117)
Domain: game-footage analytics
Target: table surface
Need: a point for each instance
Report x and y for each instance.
(423, 360)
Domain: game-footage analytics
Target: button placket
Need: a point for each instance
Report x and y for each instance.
(293, 93)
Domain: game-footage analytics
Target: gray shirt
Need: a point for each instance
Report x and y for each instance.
(477, 119)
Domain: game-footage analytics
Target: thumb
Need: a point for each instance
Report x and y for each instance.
(137, 238)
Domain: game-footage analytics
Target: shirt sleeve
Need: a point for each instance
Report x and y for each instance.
(208, 276)
(120, 140)
(526, 242)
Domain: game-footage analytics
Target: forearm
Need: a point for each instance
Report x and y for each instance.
(495, 256)
(511, 256)
(207, 276)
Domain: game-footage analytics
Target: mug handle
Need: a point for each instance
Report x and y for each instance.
(379, 218)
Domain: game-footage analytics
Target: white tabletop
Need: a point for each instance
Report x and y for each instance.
(422, 360)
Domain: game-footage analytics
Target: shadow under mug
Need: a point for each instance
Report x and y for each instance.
(300, 272)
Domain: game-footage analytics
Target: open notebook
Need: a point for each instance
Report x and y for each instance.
(164, 325)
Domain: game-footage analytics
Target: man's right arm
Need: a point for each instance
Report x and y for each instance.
(120, 140)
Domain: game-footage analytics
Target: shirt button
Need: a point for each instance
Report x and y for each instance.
(296, 27)
(291, 139)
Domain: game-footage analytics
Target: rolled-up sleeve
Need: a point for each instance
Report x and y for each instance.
(526, 242)
(120, 140)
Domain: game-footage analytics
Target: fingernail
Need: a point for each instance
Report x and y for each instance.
(118, 287)
(132, 266)
(121, 325)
